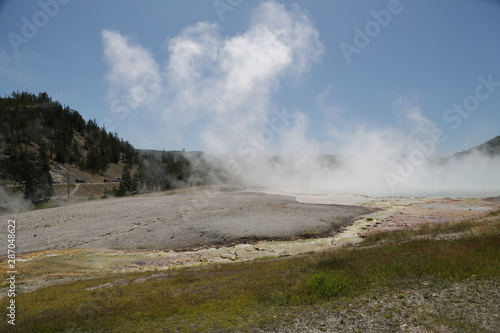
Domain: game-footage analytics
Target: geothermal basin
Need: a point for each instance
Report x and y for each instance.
(205, 226)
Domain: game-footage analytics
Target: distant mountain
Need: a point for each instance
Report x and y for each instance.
(161, 170)
(170, 153)
(490, 148)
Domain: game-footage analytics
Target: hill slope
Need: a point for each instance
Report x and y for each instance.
(39, 139)
(44, 145)
(490, 148)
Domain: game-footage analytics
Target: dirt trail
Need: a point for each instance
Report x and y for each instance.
(73, 191)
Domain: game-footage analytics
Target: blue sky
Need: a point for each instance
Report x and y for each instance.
(212, 75)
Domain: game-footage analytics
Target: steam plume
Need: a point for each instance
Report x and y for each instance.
(220, 89)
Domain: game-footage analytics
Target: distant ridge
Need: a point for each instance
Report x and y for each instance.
(490, 148)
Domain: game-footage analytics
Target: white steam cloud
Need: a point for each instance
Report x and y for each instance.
(221, 89)
(228, 81)
(134, 76)
(224, 82)
(13, 202)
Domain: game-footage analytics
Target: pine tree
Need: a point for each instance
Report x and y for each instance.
(127, 178)
(122, 190)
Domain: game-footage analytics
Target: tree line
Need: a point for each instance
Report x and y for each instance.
(35, 130)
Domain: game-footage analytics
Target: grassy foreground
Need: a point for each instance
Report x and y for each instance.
(272, 293)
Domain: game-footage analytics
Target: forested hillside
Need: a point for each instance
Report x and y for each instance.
(40, 138)
(36, 131)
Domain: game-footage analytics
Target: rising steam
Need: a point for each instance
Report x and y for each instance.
(13, 202)
(220, 89)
